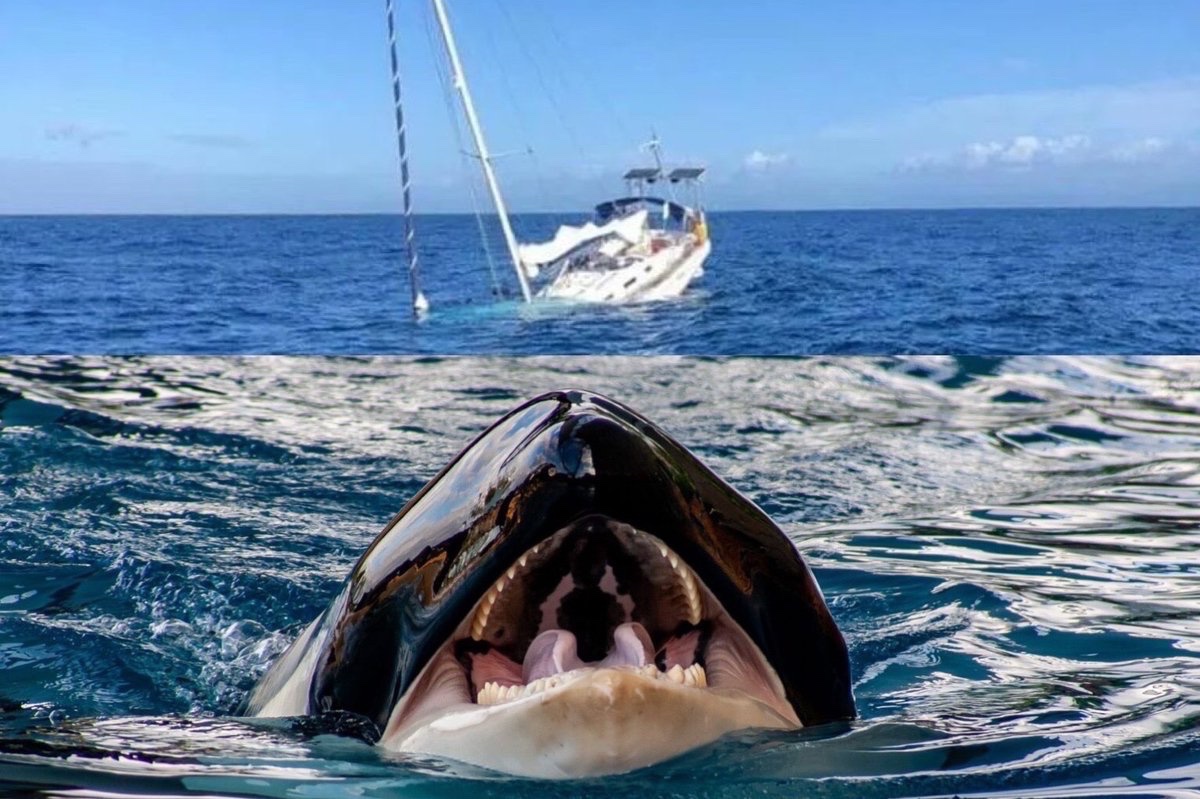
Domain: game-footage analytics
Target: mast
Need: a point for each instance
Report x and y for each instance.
(655, 147)
(485, 158)
(419, 303)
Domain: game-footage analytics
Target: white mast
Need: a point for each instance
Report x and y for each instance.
(485, 159)
(655, 147)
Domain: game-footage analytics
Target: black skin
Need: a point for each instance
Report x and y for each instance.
(528, 477)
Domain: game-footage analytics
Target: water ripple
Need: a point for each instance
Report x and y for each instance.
(1008, 544)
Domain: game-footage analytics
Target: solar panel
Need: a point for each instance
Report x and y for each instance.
(644, 173)
(686, 173)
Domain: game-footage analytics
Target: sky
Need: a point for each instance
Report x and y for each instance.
(284, 106)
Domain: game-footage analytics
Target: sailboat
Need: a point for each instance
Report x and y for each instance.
(637, 248)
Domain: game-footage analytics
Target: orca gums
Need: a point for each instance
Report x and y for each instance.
(575, 594)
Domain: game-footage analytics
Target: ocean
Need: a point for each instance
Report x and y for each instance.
(1008, 543)
(870, 282)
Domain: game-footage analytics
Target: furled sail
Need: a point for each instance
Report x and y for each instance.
(570, 238)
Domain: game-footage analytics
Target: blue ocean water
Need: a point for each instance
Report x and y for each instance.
(987, 282)
(1009, 545)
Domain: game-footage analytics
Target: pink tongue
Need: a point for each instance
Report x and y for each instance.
(554, 652)
(493, 666)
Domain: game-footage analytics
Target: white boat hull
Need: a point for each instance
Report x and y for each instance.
(660, 276)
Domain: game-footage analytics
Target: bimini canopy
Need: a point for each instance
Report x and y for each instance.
(569, 238)
(616, 208)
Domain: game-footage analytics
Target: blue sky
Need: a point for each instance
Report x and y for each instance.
(272, 106)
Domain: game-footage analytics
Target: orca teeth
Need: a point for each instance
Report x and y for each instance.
(484, 611)
(495, 694)
(479, 625)
(689, 590)
(693, 676)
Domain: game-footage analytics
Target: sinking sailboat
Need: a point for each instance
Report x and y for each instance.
(638, 248)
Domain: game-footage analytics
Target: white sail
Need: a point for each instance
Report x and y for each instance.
(569, 238)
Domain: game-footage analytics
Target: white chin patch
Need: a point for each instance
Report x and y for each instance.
(592, 722)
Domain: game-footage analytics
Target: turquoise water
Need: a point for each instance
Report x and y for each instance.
(788, 283)
(1008, 544)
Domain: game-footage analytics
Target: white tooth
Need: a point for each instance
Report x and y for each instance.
(649, 670)
(521, 561)
(662, 548)
(512, 572)
(487, 696)
(676, 674)
(479, 625)
(481, 619)
(695, 676)
(501, 584)
(673, 559)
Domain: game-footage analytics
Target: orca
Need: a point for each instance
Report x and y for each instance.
(574, 595)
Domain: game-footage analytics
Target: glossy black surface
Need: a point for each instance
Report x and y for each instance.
(550, 463)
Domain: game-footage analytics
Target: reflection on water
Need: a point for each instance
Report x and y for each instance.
(1008, 544)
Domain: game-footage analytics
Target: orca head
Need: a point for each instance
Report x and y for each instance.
(575, 594)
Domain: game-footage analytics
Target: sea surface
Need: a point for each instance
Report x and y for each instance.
(1009, 544)
(872, 282)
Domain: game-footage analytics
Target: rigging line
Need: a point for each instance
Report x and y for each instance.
(419, 303)
(483, 237)
(515, 103)
(613, 111)
(468, 173)
(541, 78)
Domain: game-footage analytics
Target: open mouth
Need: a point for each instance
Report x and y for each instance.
(575, 594)
(595, 601)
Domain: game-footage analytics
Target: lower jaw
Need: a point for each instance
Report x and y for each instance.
(595, 722)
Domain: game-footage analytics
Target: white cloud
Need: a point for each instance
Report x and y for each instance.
(1024, 151)
(758, 161)
(1019, 153)
(1145, 149)
(1027, 152)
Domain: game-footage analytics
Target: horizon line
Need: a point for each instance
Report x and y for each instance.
(831, 209)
